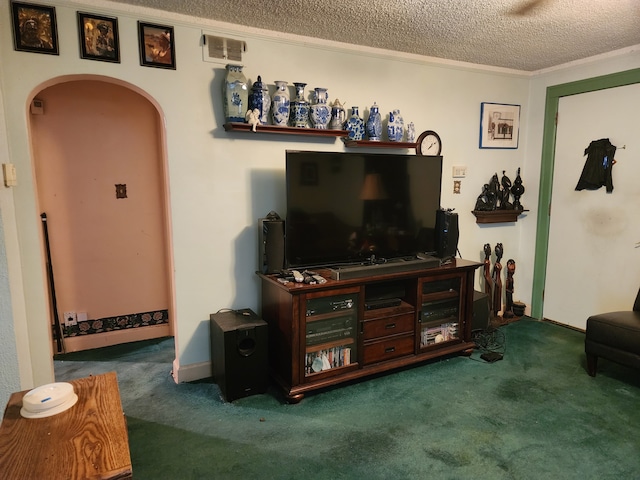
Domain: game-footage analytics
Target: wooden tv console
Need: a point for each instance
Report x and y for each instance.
(325, 334)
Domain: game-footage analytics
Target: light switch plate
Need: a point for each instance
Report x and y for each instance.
(459, 171)
(9, 173)
(37, 107)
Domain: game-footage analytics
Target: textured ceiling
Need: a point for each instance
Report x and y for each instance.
(524, 35)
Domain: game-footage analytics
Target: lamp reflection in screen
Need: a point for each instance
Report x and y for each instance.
(373, 193)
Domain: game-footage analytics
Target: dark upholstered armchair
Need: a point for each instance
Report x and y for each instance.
(614, 336)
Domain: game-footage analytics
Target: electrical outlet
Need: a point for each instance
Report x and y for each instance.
(457, 185)
(70, 318)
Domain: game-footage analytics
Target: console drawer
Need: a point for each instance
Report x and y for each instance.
(388, 348)
(383, 327)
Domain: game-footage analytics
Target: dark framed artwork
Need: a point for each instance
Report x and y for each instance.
(98, 37)
(34, 28)
(157, 46)
(499, 125)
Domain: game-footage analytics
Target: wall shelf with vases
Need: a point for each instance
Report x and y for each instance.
(310, 132)
(377, 144)
(497, 216)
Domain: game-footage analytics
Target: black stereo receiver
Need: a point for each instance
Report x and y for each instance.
(321, 331)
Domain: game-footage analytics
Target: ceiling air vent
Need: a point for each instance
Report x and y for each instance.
(221, 49)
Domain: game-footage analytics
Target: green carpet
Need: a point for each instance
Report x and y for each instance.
(534, 415)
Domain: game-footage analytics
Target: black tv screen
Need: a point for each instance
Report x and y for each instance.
(348, 208)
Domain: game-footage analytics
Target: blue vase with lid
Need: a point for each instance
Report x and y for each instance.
(259, 98)
(354, 125)
(337, 116)
(374, 123)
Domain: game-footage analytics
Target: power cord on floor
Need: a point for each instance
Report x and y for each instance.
(491, 342)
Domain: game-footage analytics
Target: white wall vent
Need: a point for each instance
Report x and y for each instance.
(222, 49)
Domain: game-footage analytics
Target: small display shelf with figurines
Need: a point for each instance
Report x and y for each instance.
(260, 128)
(494, 204)
(377, 144)
(252, 108)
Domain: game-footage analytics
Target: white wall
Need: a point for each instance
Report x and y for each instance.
(221, 183)
(15, 358)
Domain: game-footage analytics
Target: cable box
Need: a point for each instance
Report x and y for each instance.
(382, 303)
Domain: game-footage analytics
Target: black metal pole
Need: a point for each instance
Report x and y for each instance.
(52, 289)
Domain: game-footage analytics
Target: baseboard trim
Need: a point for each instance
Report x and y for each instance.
(191, 372)
(116, 337)
(570, 327)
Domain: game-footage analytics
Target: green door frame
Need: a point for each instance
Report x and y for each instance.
(554, 93)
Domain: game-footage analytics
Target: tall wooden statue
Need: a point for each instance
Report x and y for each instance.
(511, 269)
(488, 289)
(497, 281)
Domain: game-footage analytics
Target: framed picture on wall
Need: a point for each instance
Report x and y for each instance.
(157, 46)
(499, 125)
(98, 37)
(34, 28)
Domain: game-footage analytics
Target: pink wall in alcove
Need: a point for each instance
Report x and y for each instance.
(109, 255)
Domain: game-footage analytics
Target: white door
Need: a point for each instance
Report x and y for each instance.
(593, 263)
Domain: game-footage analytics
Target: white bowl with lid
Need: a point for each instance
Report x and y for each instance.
(47, 400)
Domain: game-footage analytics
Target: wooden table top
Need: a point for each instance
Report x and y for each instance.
(88, 441)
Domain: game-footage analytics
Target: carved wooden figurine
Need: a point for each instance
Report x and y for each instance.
(511, 269)
(488, 289)
(497, 281)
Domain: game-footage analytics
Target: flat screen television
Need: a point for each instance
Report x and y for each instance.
(350, 208)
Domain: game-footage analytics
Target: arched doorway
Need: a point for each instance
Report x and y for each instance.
(99, 167)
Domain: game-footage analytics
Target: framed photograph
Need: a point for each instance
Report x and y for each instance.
(98, 37)
(499, 125)
(157, 46)
(34, 28)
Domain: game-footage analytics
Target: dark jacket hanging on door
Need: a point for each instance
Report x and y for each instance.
(597, 168)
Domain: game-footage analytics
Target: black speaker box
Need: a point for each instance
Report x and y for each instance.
(481, 311)
(271, 243)
(239, 353)
(446, 233)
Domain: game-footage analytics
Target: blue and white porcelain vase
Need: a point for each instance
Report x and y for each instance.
(374, 123)
(354, 125)
(337, 116)
(235, 94)
(280, 104)
(411, 133)
(320, 113)
(400, 123)
(395, 129)
(299, 115)
(259, 98)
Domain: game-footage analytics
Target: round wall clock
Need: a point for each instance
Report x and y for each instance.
(429, 143)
